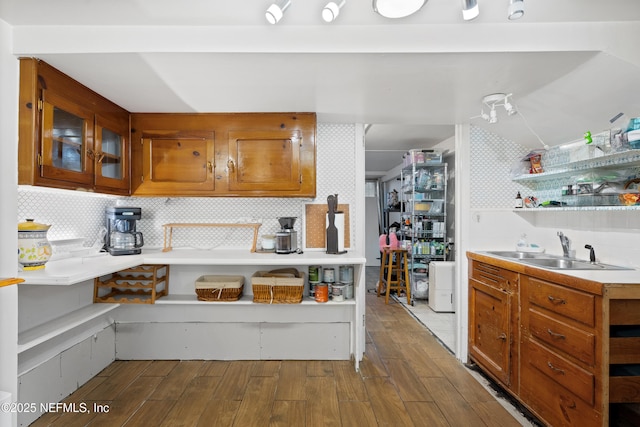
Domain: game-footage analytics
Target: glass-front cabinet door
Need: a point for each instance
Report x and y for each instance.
(67, 140)
(111, 154)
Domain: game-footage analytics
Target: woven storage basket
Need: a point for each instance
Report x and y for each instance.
(284, 286)
(219, 288)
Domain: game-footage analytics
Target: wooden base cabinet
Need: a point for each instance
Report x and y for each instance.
(567, 348)
(493, 304)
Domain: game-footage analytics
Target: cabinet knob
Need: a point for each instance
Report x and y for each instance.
(100, 157)
(555, 300)
(555, 334)
(91, 154)
(230, 165)
(502, 336)
(210, 166)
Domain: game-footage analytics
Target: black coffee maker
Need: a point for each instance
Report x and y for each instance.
(122, 237)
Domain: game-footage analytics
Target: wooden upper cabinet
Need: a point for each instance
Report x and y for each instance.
(264, 160)
(224, 154)
(177, 162)
(67, 140)
(69, 136)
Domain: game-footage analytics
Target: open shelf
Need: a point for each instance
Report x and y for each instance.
(41, 333)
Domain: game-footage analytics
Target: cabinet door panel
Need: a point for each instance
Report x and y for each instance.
(264, 160)
(67, 138)
(112, 154)
(489, 332)
(178, 161)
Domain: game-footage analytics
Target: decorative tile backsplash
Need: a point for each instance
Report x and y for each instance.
(493, 160)
(74, 214)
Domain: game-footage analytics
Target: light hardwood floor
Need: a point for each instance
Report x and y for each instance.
(407, 378)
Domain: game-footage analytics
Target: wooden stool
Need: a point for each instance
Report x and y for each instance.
(399, 267)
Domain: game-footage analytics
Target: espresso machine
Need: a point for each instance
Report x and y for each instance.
(122, 237)
(287, 237)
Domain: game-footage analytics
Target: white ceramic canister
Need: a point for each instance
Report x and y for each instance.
(34, 249)
(268, 242)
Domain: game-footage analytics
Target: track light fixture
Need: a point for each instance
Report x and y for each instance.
(496, 100)
(275, 12)
(516, 9)
(332, 10)
(470, 9)
(397, 8)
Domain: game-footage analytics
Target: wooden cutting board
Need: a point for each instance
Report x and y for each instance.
(316, 225)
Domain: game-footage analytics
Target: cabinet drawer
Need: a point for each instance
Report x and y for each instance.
(568, 375)
(496, 277)
(553, 403)
(566, 302)
(573, 341)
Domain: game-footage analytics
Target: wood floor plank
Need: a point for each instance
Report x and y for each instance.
(386, 403)
(387, 348)
(494, 414)
(266, 368)
(371, 364)
(192, 402)
(288, 413)
(213, 368)
(119, 379)
(322, 407)
(127, 402)
(420, 362)
(461, 379)
(456, 410)
(409, 386)
(357, 414)
(219, 413)
(174, 384)
(349, 383)
(160, 368)
(257, 402)
(292, 380)
(234, 381)
(426, 414)
(319, 368)
(151, 413)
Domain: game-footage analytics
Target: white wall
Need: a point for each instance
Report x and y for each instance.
(8, 231)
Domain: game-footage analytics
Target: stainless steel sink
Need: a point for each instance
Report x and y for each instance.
(519, 255)
(553, 261)
(570, 264)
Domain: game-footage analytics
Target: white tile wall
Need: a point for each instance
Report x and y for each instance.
(78, 214)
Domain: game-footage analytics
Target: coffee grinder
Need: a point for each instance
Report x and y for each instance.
(287, 237)
(122, 237)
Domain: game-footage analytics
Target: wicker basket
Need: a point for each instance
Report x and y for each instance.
(284, 286)
(219, 288)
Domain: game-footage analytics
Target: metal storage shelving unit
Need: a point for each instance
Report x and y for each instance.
(424, 214)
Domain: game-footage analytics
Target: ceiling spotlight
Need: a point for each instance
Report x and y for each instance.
(470, 9)
(516, 9)
(332, 10)
(397, 8)
(275, 12)
(496, 100)
(509, 106)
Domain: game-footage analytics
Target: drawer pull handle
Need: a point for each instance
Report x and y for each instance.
(502, 336)
(555, 334)
(555, 300)
(553, 368)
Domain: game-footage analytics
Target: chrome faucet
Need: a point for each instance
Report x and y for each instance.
(566, 244)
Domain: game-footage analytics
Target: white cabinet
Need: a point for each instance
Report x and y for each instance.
(441, 279)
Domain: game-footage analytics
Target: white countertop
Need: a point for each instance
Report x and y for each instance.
(631, 276)
(69, 271)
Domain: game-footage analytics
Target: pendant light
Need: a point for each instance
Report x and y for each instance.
(397, 8)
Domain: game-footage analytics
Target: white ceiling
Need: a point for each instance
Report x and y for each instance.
(570, 64)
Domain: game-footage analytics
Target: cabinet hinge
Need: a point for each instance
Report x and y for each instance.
(142, 178)
(301, 179)
(39, 159)
(40, 104)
